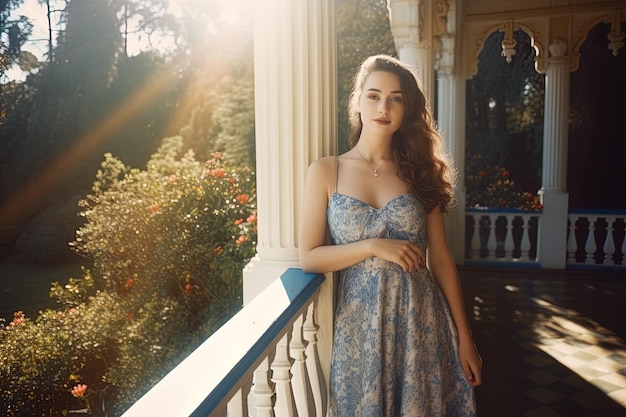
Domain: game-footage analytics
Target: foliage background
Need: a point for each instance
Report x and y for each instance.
(504, 127)
(167, 245)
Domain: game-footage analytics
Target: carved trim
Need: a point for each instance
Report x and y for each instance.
(615, 37)
(441, 9)
(440, 17)
(508, 43)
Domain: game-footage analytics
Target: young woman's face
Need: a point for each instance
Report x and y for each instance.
(381, 103)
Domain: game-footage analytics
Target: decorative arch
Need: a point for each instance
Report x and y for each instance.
(508, 44)
(581, 32)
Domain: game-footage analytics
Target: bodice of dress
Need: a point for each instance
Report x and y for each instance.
(350, 219)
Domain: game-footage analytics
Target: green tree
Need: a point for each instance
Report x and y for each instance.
(504, 122)
(13, 34)
(90, 100)
(362, 30)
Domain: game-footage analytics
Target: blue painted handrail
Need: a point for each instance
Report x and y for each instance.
(199, 384)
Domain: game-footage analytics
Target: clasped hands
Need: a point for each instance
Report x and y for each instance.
(408, 255)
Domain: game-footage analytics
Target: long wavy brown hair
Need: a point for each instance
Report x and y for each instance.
(417, 147)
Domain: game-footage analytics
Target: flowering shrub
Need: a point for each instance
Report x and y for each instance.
(167, 247)
(493, 187)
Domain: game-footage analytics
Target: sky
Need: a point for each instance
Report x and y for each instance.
(232, 10)
(39, 43)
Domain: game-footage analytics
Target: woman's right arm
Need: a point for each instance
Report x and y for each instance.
(316, 254)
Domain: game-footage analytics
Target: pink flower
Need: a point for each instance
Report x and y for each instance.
(251, 218)
(18, 319)
(79, 390)
(238, 222)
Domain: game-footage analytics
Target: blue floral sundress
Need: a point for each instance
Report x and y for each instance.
(395, 346)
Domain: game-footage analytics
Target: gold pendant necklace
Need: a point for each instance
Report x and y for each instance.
(376, 170)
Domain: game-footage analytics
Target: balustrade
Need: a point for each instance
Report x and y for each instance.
(596, 239)
(509, 237)
(263, 362)
(501, 236)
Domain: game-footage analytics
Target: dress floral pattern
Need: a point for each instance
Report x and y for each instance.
(395, 347)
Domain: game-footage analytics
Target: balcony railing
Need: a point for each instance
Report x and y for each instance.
(596, 239)
(508, 237)
(501, 236)
(263, 362)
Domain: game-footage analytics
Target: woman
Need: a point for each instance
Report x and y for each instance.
(402, 344)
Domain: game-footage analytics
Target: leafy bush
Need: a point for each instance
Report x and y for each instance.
(493, 187)
(167, 246)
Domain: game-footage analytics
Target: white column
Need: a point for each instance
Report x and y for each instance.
(451, 120)
(552, 245)
(410, 22)
(295, 116)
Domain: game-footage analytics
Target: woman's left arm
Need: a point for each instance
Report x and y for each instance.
(444, 270)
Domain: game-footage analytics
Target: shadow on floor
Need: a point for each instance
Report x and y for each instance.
(552, 343)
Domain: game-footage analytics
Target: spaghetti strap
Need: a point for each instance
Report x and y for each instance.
(336, 172)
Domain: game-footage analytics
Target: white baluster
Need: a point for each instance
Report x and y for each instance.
(281, 376)
(475, 249)
(318, 385)
(609, 244)
(491, 240)
(300, 382)
(509, 245)
(263, 405)
(572, 245)
(236, 405)
(525, 244)
(590, 245)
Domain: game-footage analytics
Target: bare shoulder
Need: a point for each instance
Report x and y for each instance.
(323, 168)
(324, 163)
(321, 173)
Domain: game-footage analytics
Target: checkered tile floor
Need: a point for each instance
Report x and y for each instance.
(553, 344)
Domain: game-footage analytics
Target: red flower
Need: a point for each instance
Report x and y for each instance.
(251, 218)
(242, 198)
(481, 173)
(129, 284)
(238, 222)
(218, 250)
(505, 174)
(154, 207)
(241, 239)
(79, 390)
(217, 172)
(188, 289)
